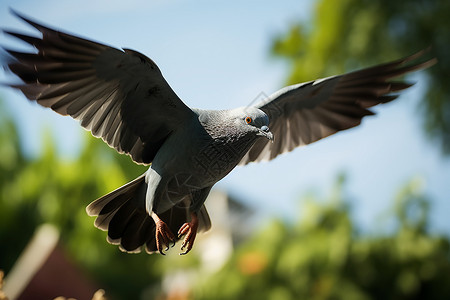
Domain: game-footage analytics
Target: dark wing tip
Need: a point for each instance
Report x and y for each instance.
(416, 55)
(27, 20)
(418, 65)
(426, 64)
(429, 63)
(19, 15)
(413, 57)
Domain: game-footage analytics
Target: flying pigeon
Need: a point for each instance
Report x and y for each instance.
(121, 96)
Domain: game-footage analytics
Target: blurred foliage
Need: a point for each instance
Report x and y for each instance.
(323, 257)
(320, 257)
(98, 295)
(350, 34)
(47, 189)
(2, 294)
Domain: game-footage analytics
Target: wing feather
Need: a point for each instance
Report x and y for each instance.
(304, 113)
(120, 96)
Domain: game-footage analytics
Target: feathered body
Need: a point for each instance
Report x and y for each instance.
(176, 185)
(122, 97)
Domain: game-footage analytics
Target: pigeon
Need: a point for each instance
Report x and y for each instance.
(121, 96)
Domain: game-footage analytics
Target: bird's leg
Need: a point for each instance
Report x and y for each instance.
(164, 235)
(190, 230)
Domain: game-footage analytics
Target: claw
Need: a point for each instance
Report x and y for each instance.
(183, 230)
(164, 236)
(190, 230)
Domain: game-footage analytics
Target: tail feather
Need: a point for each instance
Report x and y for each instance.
(204, 222)
(98, 205)
(137, 233)
(121, 220)
(102, 221)
(122, 213)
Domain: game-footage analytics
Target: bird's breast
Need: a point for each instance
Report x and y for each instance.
(192, 161)
(188, 167)
(216, 159)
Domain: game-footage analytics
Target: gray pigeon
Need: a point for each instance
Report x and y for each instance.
(122, 97)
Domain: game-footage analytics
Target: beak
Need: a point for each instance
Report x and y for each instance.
(265, 132)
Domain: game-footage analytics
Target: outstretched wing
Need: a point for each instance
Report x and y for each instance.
(304, 113)
(120, 96)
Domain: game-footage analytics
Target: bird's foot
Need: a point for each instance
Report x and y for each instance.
(190, 230)
(164, 235)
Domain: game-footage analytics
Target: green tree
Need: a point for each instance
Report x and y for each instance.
(345, 35)
(47, 189)
(323, 257)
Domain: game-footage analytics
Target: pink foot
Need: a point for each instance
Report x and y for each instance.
(190, 230)
(164, 235)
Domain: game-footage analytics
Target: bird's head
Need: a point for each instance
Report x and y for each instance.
(252, 119)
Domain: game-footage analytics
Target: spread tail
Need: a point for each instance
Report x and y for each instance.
(122, 213)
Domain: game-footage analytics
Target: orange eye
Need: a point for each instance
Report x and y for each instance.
(248, 120)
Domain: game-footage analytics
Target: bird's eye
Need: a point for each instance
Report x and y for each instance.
(248, 120)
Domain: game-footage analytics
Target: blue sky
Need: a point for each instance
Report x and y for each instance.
(215, 54)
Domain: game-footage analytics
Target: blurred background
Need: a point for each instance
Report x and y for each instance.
(359, 215)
